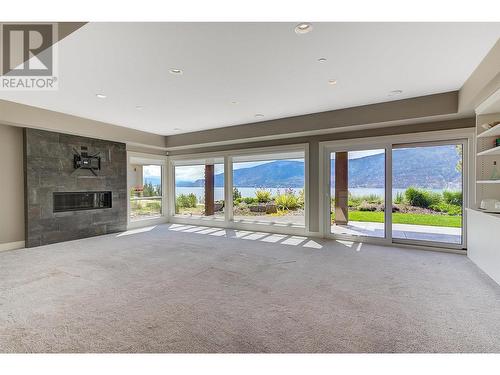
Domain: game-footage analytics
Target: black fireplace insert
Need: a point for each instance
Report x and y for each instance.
(77, 201)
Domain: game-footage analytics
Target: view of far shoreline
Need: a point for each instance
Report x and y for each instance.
(248, 192)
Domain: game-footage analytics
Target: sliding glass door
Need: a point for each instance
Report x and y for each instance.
(402, 193)
(427, 189)
(357, 193)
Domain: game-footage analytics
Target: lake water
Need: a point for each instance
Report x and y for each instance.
(219, 191)
(250, 191)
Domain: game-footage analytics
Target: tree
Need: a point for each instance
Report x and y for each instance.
(148, 190)
(236, 194)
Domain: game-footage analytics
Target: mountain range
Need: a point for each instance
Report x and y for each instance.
(430, 167)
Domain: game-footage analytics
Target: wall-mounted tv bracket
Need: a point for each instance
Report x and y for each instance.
(82, 160)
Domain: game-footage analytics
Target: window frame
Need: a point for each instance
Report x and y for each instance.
(196, 161)
(228, 221)
(390, 142)
(148, 159)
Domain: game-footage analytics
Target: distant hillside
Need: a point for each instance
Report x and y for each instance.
(432, 168)
(281, 173)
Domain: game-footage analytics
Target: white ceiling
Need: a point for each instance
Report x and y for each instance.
(265, 67)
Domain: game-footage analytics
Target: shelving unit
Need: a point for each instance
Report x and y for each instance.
(490, 151)
(487, 113)
(493, 132)
(488, 182)
(483, 227)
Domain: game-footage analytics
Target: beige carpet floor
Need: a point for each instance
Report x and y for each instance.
(175, 288)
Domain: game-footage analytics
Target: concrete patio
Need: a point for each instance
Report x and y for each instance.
(401, 231)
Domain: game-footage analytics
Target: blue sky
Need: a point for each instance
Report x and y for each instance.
(196, 172)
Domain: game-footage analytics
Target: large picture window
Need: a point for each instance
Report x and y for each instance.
(269, 188)
(199, 188)
(146, 187)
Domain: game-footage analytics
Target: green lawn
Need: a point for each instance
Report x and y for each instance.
(401, 218)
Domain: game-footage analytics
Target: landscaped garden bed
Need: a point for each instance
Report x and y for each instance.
(413, 206)
(189, 204)
(286, 202)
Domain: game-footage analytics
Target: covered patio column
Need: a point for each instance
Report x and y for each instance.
(209, 189)
(341, 188)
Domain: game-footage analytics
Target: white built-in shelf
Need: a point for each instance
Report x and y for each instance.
(488, 181)
(490, 105)
(492, 132)
(491, 151)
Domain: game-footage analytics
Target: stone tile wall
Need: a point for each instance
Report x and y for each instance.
(48, 168)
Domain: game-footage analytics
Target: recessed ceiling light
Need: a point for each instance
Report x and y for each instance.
(177, 129)
(234, 102)
(101, 96)
(332, 82)
(176, 71)
(259, 115)
(139, 107)
(395, 92)
(321, 60)
(303, 28)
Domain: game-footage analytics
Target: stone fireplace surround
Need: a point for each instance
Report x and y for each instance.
(48, 168)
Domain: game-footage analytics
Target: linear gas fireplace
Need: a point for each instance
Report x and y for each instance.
(78, 201)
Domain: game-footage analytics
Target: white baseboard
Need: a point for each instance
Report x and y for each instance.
(11, 245)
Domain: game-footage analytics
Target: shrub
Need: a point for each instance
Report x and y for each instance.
(236, 194)
(249, 200)
(186, 200)
(355, 200)
(371, 198)
(150, 190)
(422, 198)
(453, 197)
(263, 195)
(286, 201)
(301, 198)
(400, 198)
(450, 209)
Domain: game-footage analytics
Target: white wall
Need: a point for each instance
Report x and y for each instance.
(482, 237)
(12, 185)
